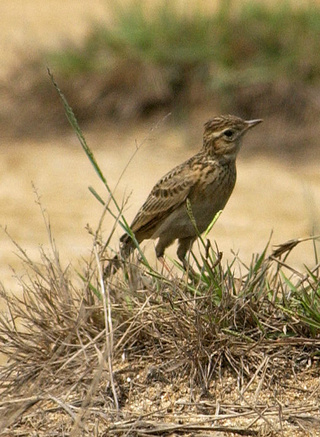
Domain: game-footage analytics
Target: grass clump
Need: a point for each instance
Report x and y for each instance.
(236, 37)
(89, 353)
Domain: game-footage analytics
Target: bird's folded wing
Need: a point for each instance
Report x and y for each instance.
(167, 195)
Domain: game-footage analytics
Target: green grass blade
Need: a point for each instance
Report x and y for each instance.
(74, 123)
(213, 222)
(96, 195)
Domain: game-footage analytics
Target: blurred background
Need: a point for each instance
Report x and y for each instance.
(147, 75)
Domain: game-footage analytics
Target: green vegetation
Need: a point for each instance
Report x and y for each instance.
(241, 43)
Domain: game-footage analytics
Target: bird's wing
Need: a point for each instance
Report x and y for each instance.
(167, 195)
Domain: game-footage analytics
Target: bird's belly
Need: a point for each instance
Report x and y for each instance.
(179, 223)
(204, 213)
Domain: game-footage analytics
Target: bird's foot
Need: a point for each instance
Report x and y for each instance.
(165, 265)
(188, 269)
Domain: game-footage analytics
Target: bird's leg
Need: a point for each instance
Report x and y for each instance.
(165, 265)
(185, 244)
(160, 248)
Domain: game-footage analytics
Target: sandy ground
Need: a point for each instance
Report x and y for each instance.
(29, 26)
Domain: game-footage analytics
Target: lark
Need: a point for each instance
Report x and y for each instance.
(204, 182)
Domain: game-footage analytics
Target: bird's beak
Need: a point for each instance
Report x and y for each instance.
(252, 123)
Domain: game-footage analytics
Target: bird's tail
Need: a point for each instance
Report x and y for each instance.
(117, 261)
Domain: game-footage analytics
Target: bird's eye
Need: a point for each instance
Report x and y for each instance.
(228, 133)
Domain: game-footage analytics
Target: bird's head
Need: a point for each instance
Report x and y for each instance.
(222, 135)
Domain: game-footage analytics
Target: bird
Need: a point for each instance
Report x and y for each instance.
(203, 183)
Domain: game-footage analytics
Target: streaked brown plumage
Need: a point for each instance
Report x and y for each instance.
(206, 179)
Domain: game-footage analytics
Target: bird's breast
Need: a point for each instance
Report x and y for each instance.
(212, 194)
